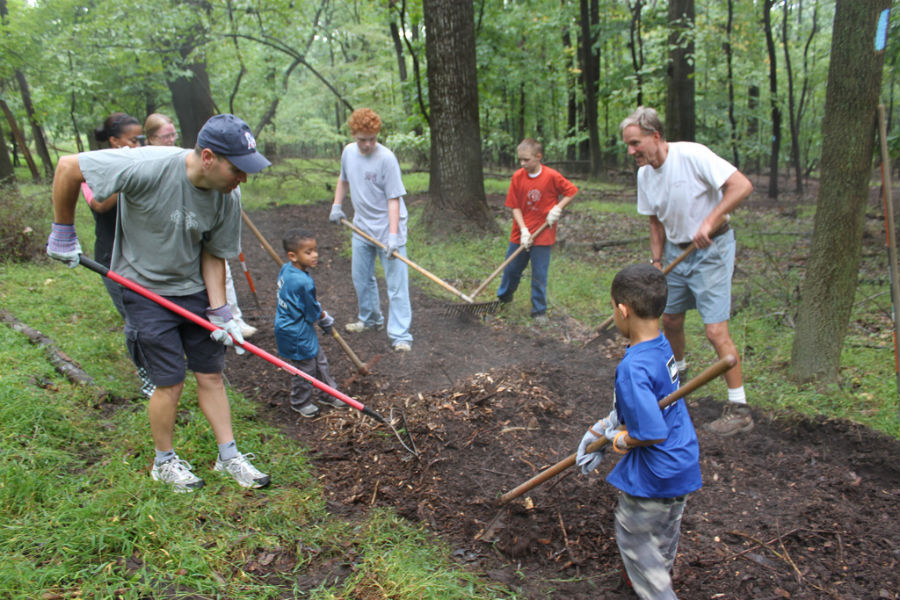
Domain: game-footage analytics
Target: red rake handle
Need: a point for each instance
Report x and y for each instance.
(702, 379)
(98, 268)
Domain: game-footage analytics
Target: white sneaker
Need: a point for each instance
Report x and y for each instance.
(177, 473)
(243, 471)
(359, 327)
(402, 347)
(309, 410)
(247, 330)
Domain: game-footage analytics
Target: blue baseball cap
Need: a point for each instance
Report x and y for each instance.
(229, 136)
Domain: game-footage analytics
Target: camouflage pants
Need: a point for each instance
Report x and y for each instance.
(647, 532)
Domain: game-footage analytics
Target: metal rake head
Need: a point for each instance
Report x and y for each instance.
(476, 309)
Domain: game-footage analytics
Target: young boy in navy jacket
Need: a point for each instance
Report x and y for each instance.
(661, 462)
(297, 313)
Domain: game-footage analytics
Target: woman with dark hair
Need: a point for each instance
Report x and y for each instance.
(119, 130)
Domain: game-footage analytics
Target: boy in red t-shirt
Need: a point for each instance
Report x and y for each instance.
(536, 194)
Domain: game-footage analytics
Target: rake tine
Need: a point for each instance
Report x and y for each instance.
(414, 451)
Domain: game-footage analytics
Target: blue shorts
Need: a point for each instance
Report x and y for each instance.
(165, 343)
(702, 280)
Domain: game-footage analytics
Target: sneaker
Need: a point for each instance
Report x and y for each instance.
(247, 330)
(402, 347)
(332, 402)
(736, 418)
(308, 410)
(177, 473)
(243, 471)
(359, 327)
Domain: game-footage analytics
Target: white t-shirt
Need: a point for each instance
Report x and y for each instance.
(684, 190)
(165, 222)
(374, 179)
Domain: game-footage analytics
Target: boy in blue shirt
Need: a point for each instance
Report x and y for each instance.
(295, 317)
(661, 462)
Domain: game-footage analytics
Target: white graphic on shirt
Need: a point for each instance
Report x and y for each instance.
(532, 198)
(186, 219)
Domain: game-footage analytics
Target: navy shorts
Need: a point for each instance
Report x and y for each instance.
(165, 343)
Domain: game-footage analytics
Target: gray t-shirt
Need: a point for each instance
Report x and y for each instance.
(374, 179)
(164, 221)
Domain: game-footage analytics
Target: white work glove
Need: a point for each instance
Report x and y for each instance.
(230, 332)
(588, 461)
(554, 214)
(525, 237)
(616, 438)
(393, 244)
(326, 322)
(336, 214)
(62, 244)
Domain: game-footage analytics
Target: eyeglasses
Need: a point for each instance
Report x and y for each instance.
(167, 136)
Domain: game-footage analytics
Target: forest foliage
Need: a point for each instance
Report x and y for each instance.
(293, 69)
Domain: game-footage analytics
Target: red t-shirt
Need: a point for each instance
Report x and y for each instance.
(535, 196)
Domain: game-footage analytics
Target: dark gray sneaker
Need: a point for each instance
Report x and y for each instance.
(736, 418)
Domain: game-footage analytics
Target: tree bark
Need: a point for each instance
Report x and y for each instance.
(851, 99)
(37, 132)
(793, 116)
(735, 158)
(590, 75)
(20, 139)
(7, 173)
(636, 45)
(773, 99)
(456, 201)
(680, 113)
(193, 102)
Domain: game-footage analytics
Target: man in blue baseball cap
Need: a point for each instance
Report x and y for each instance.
(179, 219)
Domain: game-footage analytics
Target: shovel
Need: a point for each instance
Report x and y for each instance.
(700, 380)
(98, 268)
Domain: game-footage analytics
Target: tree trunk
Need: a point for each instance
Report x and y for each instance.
(753, 124)
(20, 139)
(851, 98)
(456, 200)
(7, 174)
(793, 116)
(37, 132)
(193, 102)
(636, 45)
(773, 100)
(735, 159)
(680, 115)
(590, 75)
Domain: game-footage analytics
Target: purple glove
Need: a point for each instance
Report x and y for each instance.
(63, 244)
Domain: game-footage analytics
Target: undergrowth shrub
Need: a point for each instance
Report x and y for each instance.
(24, 225)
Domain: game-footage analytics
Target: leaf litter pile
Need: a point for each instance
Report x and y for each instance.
(796, 508)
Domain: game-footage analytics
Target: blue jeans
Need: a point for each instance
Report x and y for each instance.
(396, 277)
(512, 274)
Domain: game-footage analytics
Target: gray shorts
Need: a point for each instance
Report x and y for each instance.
(702, 280)
(165, 343)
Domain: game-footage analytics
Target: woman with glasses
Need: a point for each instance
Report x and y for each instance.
(161, 131)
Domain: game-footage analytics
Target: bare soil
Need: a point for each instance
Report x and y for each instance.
(796, 508)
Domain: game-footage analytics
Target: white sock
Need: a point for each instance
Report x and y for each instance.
(737, 395)
(681, 365)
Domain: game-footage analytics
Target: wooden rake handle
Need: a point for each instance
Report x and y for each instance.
(360, 366)
(397, 255)
(702, 379)
(262, 239)
(505, 263)
(669, 267)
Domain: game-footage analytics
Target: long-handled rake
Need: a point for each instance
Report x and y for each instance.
(700, 380)
(351, 402)
(246, 271)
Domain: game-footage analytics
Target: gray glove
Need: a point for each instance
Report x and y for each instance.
(229, 333)
(63, 244)
(393, 244)
(588, 461)
(336, 214)
(326, 322)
